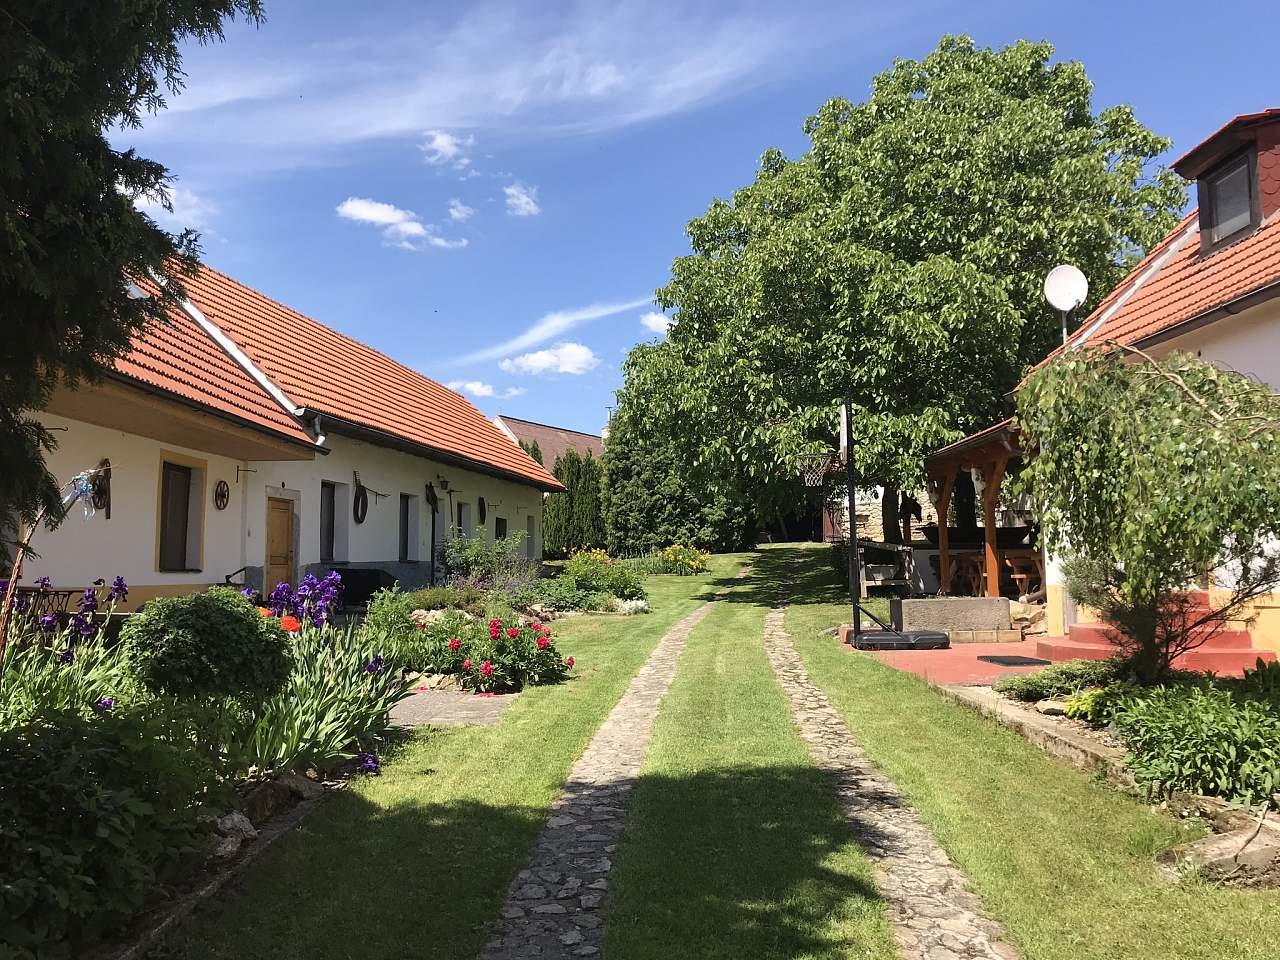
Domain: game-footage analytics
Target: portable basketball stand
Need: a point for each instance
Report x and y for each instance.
(886, 638)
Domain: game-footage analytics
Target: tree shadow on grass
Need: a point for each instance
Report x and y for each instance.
(742, 862)
(790, 574)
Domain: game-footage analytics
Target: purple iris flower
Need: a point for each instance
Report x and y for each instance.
(105, 704)
(48, 623)
(67, 656)
(281, 599)
(89, 602)
(376, 664)
(119, 590)
(44, 583)
(22, 603)
(83, 624)
(248, 592)
(368, 762)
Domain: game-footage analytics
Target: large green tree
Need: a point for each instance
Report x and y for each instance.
(70, 235)
(571, 520)
(901, 259)
(653, 494)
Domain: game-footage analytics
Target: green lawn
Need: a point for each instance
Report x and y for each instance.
(1065, 863)
(416, 862)
(734, 846)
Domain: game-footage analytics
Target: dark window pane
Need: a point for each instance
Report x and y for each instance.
(499, 527)
(1232, 201)
(175, 505)
(326, 522)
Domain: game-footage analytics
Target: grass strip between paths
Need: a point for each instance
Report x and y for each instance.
(1065, 863)
(417, 862)
(734, 845)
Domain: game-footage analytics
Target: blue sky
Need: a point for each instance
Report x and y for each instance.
(491, 192)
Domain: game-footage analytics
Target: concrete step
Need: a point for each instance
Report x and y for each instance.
(1103, 633)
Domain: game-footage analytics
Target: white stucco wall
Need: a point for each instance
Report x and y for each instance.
(80, 551)
(389, 472)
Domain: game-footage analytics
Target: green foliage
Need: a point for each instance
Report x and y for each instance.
(1099, 706)
(572, 520)
(1148, 474)
(211, 644)
(1202, 740)
(338, 695)
(389, 612)
(594, 571)
(38, 680)
(508, 656)
(678, 560)
(70, 235)
(653, 492)
(1061, 679)
(474, 558)
(470, 599)
(901, 259)
(93, 813)
(561, 594)
(532, 449)
(1260, 682)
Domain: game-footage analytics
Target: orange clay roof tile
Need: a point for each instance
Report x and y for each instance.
(181, 359)
(330, 373)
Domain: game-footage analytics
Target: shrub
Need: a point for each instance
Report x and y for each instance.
(1260, 682)
(470, 599)
(589, 570)
(1202, 740)
(472, 562)
(211, 644)
(684, 561)
(624, 583)
(1061, 679)
(389, 612)
(93, 813)
(1099, 706)
(425, 649)
(337, 698)
(562, 594)
(508, 656)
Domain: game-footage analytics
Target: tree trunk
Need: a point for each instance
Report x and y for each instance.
(890, 508)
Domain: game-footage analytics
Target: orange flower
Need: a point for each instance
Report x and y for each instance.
(290, 624)
(264, 611)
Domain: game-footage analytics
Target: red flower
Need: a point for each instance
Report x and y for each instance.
(543, 643)
(513, 632)
(466, 665)
(536, 627)
(486, 668)
(569, 663)
(422, 626)
(494, 631)
(454, 644)
(290, 624)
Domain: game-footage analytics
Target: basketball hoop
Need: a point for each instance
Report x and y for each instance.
(814, 468)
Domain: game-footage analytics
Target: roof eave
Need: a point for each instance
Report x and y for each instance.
(358, 431)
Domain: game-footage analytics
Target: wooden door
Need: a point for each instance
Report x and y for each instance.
(279, 543)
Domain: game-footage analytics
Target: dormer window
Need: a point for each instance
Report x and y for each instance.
(1229, 206)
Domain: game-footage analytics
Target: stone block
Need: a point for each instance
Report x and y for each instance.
(951, 613)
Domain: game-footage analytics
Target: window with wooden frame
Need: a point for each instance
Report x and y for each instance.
(180, 521)
(1230, 206)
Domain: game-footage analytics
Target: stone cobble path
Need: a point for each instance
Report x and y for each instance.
(933, 913)
(555, 907)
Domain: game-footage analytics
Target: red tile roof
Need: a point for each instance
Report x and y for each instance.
(181, 359)
(1175, 284)
(332, 374)
(554, 441)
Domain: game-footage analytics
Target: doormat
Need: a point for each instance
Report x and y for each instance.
(1010, 661)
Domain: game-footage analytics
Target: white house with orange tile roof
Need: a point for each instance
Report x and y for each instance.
(232, 462)
(1211, 288)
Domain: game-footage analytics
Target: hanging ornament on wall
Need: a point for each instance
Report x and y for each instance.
(221, 494)
(360, 503)
(100, 487)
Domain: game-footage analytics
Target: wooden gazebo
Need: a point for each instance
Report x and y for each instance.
(991, 452)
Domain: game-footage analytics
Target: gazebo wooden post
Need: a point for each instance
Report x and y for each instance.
(944, 535)
(993, 478)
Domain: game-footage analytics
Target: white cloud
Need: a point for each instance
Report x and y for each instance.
(440, 148)
(513, 392)
(477, 388)
(459, 211)
(569, 357)
(655, 322)
(265, 101)
(522, 201)
(400, 228)
(186, 208)
(547, 327)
